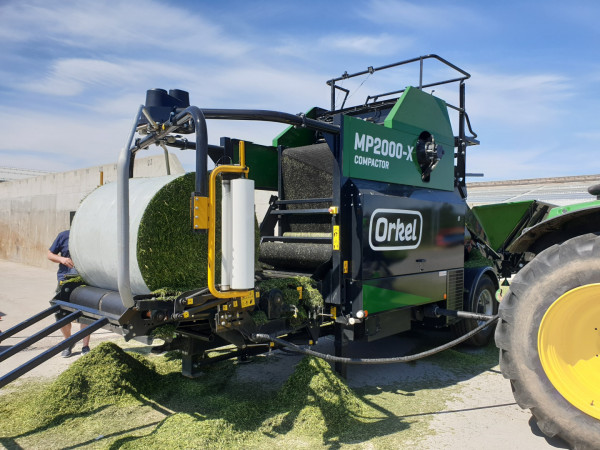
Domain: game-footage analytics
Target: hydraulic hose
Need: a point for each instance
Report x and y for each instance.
(364, 361)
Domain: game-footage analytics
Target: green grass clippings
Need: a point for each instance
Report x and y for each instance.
(165, 332)
(114, 399)
(311, 297)
(477, 259)
(105, 376)
(170, 255)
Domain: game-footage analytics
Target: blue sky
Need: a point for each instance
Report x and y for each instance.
(73, 73)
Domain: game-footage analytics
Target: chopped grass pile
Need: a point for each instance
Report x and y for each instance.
(314, 404)
(183, 431)
(111, 399)
(320, 401)
(106, 376)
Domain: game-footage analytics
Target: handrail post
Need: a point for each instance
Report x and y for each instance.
(123, 175)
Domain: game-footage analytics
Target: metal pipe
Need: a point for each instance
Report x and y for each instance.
(421, 73)
(234, 114)
(123, 170)
(201, 145)
(39, 335)
(164, 147)
(270, 116)
(422, 86)
(437, 312)
(23, 369)
(153, 124)
(28, 322)
(401, 63)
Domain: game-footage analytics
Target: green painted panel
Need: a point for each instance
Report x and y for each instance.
(560, 210)
(376, 299)
(499, 220)
(378, 153)
(262, 161)
(417, 111)
(295, 136)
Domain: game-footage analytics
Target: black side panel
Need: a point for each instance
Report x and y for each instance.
(405, 230)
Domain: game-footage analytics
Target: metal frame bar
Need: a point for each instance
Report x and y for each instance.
(305, 200)
(286, 212)
(372, 70)
(39, 335)
(28, 322)
(198, 116)
(45, 356)
(84, 309)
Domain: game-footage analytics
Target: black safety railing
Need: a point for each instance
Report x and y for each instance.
(371, 70)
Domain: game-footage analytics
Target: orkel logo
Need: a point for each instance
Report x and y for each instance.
(395, 229)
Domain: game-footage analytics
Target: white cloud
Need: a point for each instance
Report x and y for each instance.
(69, 77)
(428, 18)
(117, 26)
(519, 100)
(382, 44)
(81, 138)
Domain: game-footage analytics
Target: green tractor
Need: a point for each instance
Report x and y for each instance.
(548, 333)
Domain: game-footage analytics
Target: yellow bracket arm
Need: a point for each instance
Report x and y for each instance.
(212, 214)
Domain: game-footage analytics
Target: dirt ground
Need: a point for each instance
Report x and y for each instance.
(484, 417)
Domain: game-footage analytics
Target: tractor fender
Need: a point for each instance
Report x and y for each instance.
(471, 280)
(557, 230)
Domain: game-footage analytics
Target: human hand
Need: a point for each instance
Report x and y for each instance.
(68, 262)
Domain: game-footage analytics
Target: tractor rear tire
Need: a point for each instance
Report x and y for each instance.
(549, 340)
(483, 302)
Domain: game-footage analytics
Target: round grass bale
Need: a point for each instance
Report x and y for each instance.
(164, 251)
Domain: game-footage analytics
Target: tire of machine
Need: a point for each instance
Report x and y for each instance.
(484, 292)
(553, 272)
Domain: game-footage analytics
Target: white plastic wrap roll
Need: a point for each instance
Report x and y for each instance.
(242, 219)
(226, 226)
(93, 237)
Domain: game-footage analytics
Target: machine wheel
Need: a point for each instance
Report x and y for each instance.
(549, 340)
(483, 302)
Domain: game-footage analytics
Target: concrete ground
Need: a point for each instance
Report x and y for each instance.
(485, 417)
(25, 291)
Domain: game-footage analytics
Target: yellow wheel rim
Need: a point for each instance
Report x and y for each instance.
(569, 347)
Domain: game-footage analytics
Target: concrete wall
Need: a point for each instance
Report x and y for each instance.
(34, 210)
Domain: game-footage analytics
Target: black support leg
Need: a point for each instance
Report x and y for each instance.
(340, 345)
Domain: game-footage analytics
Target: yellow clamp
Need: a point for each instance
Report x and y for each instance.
(199, 211)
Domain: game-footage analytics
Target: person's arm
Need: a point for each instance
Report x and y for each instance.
(60, 260)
